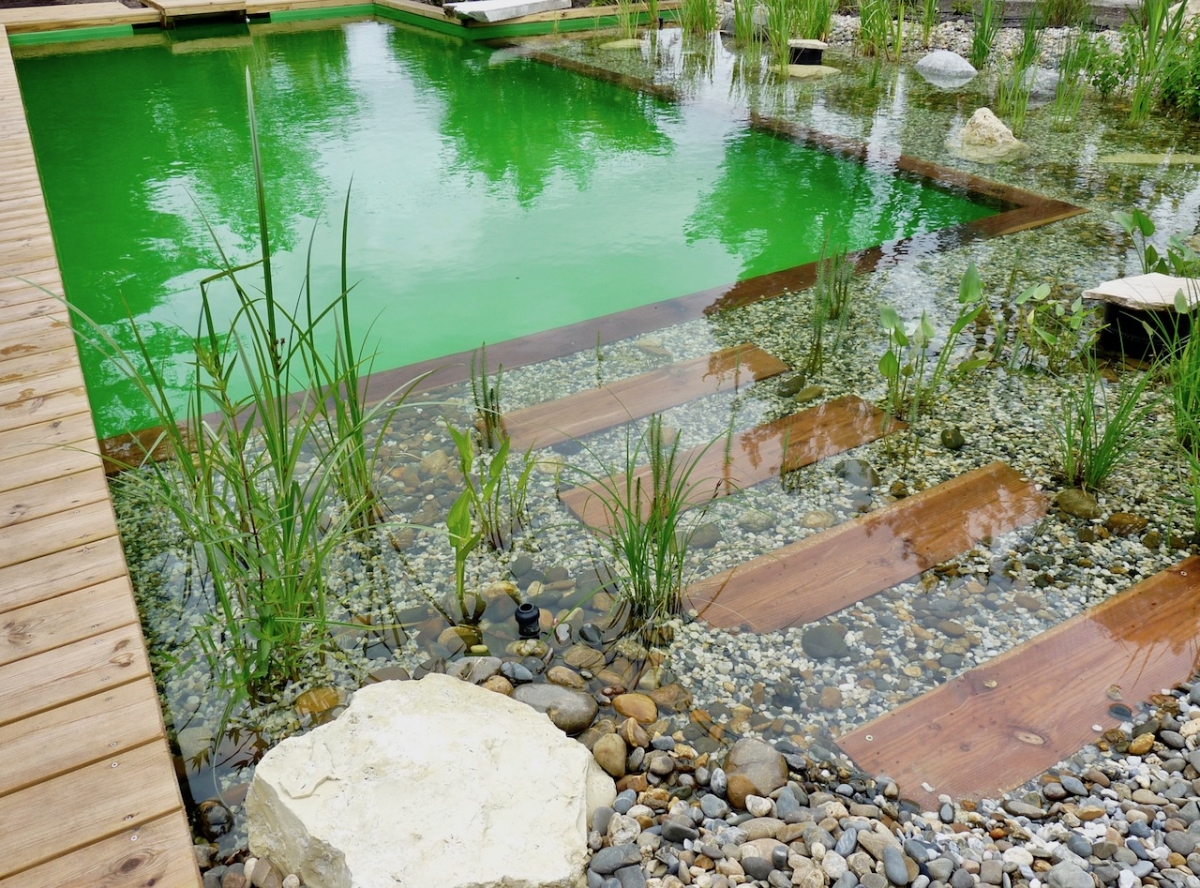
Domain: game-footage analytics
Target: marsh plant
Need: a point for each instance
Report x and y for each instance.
(986, 20)
(881, 28)
(485, 392)
(831, 304)
(744, 32)
(1152, 43)
(1183, 374)
(1016, 81)
(913, 381)
(698, 16)
(1179, 259)
(780, 25)
(813, 18)
(258, 481)
(1101, 428)
(1071, 85)
(1051, 328)
(645, 541)
(627, 18)
(497, 496)
(930, 14)
(1062, 13)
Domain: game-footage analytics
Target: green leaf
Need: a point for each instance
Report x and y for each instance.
(889, 364)
(971, 287)
(890, 319)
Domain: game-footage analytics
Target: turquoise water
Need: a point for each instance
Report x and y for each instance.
(491, 196)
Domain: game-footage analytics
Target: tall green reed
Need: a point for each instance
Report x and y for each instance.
(1071, 85)
(930, 14)
(780, 26)
(1152, 39)
(1016, 83)
(986, 20)
(744, 32)
(698, 16)
(813, 18)
(259, 462)
(485, 392)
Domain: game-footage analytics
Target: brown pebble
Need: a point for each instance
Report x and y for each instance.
(636, 782)
(1141, 744)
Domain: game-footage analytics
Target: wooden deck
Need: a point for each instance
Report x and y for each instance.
(827, 571)
(595, 410)
(1005, 722)
(763, 452)
(76, 15)
(88, 793)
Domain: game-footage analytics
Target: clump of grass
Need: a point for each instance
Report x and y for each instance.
(1060, 13)
(698, 16)
(1068, 92)
(781, 24)
(831, 304)
(986, 20)
(1012, 95)
(1100, 429)
(497, 498)
(646, 541)
(485, 392)
(265, 485)
(627, 18)
(930, 14)
(875, 27)
(1152, 41)
(744, 32)
(813, 18)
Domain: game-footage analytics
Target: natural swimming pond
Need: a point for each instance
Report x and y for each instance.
(493, 196)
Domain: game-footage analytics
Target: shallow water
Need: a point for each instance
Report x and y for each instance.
(492, 196)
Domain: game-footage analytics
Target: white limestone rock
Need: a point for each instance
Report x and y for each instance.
(430, 782)
(945, 69)
(985, 139)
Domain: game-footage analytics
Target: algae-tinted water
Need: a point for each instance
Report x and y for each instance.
(493, 196)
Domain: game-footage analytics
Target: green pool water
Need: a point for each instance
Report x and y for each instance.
(493, 196)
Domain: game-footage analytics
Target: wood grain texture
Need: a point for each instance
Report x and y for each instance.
(145, 856)
(594, 410)
(827, 571)
(49, 576)
(1002, 723)
(80, 15)
(55, 622)
(763, 452)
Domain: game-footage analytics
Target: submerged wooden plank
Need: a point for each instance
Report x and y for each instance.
(136, 857)
(1004, 722)
(766, 451)
(68, 737)
(602, 408)
(56, 622)
(86, 805)
(830, 570)
(80, 669)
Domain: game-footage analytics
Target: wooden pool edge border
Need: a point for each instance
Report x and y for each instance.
(90, 786)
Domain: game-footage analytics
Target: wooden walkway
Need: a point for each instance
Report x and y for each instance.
(76, 15)
(827, 571)
(595, 410)
(1005, 722)
(88, 793)
(763, 452)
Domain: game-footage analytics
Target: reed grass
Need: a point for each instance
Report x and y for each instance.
(986, 20)
(875, 27)
(496, 496)
(1068, 92)
(265, 485)
(744, 32)
(485, 392)
(646, 541)
(814, 17)
(1153, 38)
(1016, 82)
(1101, 430)
(780, 26)
(930, 15)
(627, 18)
(831, 304)
(698, 16)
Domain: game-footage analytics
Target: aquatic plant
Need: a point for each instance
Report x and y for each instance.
(1061, 13)
(1069, 90)
(496, 496)
(744, 32)
(1051, 326)
(1179, 259)
(831, 303)
(930, 13)
(1016, 83)
(464, 539)
(1180, 91)
(485, 392)
(627, 18)
(698, 16)
(780, 25)
(986, 20)
(813, 18)
(1183, 373)
(253, 479)
(1100, 430)
(1152, 40)
(875, 27)
(646, 538)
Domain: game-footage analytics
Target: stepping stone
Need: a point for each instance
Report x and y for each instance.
(595, 410)
(502, 10)
(763, 452)
(1004, 722)
(1131, 301)
(826, 572)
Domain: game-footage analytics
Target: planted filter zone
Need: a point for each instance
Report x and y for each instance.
(493, 196)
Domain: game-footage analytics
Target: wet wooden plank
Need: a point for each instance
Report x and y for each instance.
(80, 669)
(57, 622)
(67, 737)
(603, 408)
(827, 571)
(133, 858)
(763, 452)
(995, 726)
(49, 576)
(86, 806)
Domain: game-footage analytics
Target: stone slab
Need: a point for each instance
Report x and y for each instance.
(1144, 292)
(503, 10)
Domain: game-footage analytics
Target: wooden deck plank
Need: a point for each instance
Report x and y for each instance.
(766, 451)
(41, 363)
(40, 496)
(1002, 723)
(56, 574)
(80, 669)
(73, 432)
(39, 402)
(134, 858)
(62, 530)
(68, 737)
(23, 472)
(56, 622)
(603, 408)
(86, 805)
(48, 18)
(827, 571)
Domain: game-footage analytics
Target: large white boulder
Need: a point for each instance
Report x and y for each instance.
(945, 69)
(430, 782)
(985, 139)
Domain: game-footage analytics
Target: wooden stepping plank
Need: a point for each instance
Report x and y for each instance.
(133, 858)
(827, 571)
(60, 572)
(765, 451)
(56, 622)
(1004, 722)
(602, 408)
